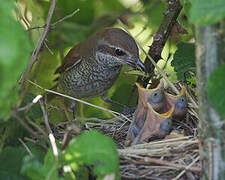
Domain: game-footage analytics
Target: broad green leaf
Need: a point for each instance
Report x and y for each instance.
(93, 149)
(206, 12)
(10, 131)
(85, 16)
(184, 59)
(34, 15)
(14, 53)
(69, 37)
(45, 75)
(105, 7)
(35, 170)
(155, 15)
(186, 6)
(32, 168)
(216, 89)
(11, 159)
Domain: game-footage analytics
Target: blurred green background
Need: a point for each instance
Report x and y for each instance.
(142, 18)
(18, 40)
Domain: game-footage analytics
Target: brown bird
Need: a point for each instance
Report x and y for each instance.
(92, 66)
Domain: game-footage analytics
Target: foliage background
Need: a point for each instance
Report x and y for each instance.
(17, 42)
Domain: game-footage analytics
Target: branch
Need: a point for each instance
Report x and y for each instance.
(23, 124)
(57, 22)
(66, 17)
(162, 73)
(50, 136)
(40, 43)
(120, 116)
(45, 115)
(189, 167)
(161, 36)
(171, 164)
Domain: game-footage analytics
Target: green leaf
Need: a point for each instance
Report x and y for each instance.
(11, 161)
(93, 149)
(14, 53)
(206, 12)
(186, 6)
(184, 59)
(37, 13)
(105, 6)
(10, 131)
(69, 37)
(35, 170)
(32, 168)
(216, 89)
(84, 16)
(155, 15)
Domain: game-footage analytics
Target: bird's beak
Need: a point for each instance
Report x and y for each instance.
(141, 65)
(136, 65)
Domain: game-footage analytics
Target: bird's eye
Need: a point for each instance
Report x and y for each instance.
(119, 52)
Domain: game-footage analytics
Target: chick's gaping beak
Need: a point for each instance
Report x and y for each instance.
(141, 65)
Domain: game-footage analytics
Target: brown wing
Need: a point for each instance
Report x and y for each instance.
(71, 59)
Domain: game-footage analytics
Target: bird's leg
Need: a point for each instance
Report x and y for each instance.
(72, 106)
(107, 100)
(126, 110)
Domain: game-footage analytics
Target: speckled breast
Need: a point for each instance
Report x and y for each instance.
(86, 81)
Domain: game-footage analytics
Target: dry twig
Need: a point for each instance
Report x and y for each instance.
(57, 22)
(40, 43)
(114, 113)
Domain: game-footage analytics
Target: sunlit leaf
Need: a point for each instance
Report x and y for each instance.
(35, 170)
(84, 16)
(207, 11)
(184, 60)
(216, 89)
(11, 159)
(93, 149)
(14, 53)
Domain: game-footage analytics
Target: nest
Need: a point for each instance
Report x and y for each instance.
(177, 157)
(174, 157)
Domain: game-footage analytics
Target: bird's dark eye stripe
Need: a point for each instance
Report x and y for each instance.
(119, 52)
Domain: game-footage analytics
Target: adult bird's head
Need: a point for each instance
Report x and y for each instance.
(116, 47)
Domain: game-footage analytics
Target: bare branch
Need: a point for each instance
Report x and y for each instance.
(189, 167)
(66, 17)
(24, 124)
(161, 36)
(40, 43)
(114, 113)
(26, 147)
(45, 117)
(57, 22)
